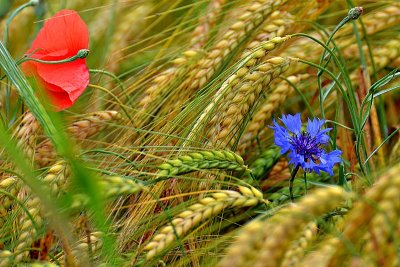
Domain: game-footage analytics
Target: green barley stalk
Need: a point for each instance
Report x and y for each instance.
(202, 160)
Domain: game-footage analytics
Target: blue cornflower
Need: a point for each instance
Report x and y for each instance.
(305, 146)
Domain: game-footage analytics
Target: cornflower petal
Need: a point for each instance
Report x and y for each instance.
(281, 137)
(314, 126)
(305, 148)
(292, 122)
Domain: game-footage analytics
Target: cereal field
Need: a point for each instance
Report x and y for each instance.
(226, 133)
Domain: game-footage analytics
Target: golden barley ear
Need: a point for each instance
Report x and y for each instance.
(278, 232)
(375, 216)
(195, 214)
(34, 218)
(87, 248)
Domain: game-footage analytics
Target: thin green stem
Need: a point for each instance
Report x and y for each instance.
(383, 142)
(13, 15)
(83, 53)
(292, 176)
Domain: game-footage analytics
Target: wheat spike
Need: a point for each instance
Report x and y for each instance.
(27, 228)
(110, 186)
(253, 15)
(57, 176)
(200, 36)
(285, 225)
(373, 22)
(5, 258)
(245, 247)
(11, 185)
(162, 82)
(116, 186)
(276, 25)
(55, 179)
(243, 78)
(297, 250)
(205, 209)
(81, 251)
(82, 129)
(383, 55)
(202, 32)
(27, 133)
(200, 160)
(321, 255)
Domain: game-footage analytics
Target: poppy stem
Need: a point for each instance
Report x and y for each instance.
(293, 175)
(83, 53)
(13, 15)
(80, 55)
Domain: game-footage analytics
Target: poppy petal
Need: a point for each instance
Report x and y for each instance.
(71, 77)
(61, 37)
(60, 99)
(65, 30)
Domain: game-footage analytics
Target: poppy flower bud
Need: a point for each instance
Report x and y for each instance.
(83, 53)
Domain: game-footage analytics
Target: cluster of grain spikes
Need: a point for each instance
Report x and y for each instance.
(26, 134)
(249, 78)
(373, 219)
(275, 97)
(195, 214)
(240, 100)
(32, 220)
(273, 238)
(162, 82)
(253, 15)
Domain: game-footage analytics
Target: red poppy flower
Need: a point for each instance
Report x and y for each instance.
(61, 37)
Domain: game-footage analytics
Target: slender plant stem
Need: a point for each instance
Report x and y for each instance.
(13, 15)
(293, 175)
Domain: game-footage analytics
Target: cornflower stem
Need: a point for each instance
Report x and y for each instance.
(293, 175)
(305, 182)
(353, 14)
